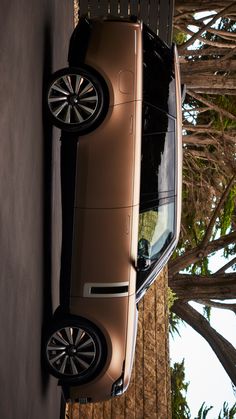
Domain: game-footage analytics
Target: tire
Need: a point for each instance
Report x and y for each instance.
(75, 350)
(77, 99)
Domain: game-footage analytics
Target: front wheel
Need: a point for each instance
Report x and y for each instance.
(77, 99)
(75, 350)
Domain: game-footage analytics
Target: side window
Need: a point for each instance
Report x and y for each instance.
(158, 77)
(157, 168)
(156, 227)
(155, 121)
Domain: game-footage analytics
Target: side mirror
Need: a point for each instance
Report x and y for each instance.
(143, 264)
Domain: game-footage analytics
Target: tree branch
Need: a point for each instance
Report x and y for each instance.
(228, 55)
(203, 5)
(209, 51)
(205, 129)
(223, 349)
(210, 227)
(216, 304)
(198, 140)
(206, 26)
(211, 105)
(223, 34)
(215, 91)
(229, 36)
(203, 40)
(198, 253)
(226, 266)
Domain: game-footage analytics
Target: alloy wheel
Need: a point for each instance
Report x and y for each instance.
(71, 351)
(73, 99)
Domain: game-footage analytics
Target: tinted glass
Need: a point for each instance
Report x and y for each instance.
(158, 78)
(156, 227)
(157, 168)
(154, 120)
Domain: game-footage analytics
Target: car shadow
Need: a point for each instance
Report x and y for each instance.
(68, 169)
(47, 309)
(68, 155)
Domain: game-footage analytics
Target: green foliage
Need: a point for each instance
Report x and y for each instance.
(179, 38)
(226, 219)
(226, 412)
(207, 312)
(203, 411)
(227, 103)
(230, 250)
(171, 296)
(199, 268)
(180, 409)
(174, 323)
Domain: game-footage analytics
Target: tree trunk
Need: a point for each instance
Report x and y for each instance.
(204, 52)
(222, 348)
(206, 81)
(200, 67)
(195, 287)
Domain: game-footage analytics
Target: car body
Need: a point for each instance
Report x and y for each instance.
(120, 97)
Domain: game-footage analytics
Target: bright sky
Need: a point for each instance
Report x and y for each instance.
(208, 379)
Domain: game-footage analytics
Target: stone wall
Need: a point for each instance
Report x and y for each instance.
(148, 395)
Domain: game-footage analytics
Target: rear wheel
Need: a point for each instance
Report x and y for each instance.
(75, 350)
(77, 99)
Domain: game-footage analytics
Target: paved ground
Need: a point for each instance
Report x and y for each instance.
(33, 43)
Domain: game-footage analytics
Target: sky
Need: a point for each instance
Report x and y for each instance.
(208, 381)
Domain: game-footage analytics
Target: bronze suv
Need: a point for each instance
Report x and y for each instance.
(120, 97)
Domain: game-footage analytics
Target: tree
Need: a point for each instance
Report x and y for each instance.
(209, 72)
(205, 289)
(225, 413)
(209, 187)
(180, 408)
